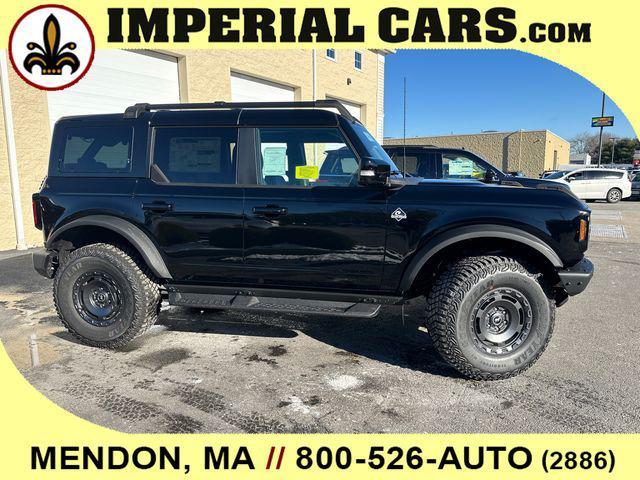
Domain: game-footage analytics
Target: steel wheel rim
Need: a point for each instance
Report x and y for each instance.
(97, 298)
(501, 321)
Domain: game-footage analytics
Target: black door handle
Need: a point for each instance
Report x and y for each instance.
(270, 211)
(158, 207)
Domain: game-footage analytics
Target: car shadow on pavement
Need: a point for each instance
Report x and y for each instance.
(386, 338)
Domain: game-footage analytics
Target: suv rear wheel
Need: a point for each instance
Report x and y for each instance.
(614, 195)
(104, 297)
(489, 317)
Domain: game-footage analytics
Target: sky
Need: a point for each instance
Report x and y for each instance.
(476, 90)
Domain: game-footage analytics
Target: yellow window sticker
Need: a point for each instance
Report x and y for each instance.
(307, 172)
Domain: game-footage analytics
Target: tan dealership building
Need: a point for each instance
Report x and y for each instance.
(531, 152)
(120, 78)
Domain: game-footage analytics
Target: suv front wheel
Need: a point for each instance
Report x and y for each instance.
(104, 297)
(489, 317)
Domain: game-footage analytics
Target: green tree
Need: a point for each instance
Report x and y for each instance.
(624, 149)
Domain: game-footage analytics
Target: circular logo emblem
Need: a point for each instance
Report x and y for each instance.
(51, 47)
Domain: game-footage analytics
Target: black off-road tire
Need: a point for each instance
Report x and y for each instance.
(614, 195)
(137, 292)
(452, 315)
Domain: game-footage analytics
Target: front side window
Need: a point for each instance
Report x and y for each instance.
(98, 149)
(358, 60)
(577, 176)
(555, 175)
(196, 154)
(305, 157)
(460, 167)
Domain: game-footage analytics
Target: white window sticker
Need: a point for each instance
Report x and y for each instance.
(274, 161)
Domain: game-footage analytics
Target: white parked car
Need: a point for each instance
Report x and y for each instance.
(596, 183)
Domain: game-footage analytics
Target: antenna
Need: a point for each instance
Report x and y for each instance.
(404, 128)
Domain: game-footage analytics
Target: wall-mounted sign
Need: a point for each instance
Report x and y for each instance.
(602, 122)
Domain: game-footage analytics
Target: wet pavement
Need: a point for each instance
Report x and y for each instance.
(218, 371)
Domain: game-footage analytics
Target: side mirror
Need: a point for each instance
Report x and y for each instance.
(490, 176)
(372, 173)
(569, 179)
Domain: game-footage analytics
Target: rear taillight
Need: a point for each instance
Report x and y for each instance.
(37, 214)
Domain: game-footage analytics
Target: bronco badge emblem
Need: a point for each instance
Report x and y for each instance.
(398, 214)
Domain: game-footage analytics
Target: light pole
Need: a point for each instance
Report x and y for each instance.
(613, 149)
(600, 141)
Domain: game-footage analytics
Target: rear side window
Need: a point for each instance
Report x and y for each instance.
(96, 149)
(409, 163)
(604, 175)
(196, 154)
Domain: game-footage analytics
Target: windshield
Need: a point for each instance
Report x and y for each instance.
(555, 175)
(373, 148)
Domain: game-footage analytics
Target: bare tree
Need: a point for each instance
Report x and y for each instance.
(586, 142)
(580, 143)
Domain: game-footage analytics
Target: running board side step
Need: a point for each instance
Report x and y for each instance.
(287, 305)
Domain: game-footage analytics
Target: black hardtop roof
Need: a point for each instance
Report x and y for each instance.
(224, 113)
(248, 118)
(138, 109)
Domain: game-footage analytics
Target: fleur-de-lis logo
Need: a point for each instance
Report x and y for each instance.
(50, 56)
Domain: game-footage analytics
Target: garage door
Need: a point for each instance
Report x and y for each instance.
(245, 88)
(116, 80)
(354, 108)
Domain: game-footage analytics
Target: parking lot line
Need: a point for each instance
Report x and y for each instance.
(600, 215)
(602, 230)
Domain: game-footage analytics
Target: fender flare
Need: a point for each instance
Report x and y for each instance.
(460, 234)
(140, 240)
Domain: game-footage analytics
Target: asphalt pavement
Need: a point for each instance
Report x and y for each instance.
(215, 371)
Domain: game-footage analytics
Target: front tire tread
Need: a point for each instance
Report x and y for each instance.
(445, 299)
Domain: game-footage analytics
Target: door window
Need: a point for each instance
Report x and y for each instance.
(408, 164)
(418, 165)
(305, 158)
(196, 154)
(460, 167)
(605, 175)
(577, 176)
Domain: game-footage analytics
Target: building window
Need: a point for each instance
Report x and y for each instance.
(331, 53)
(357, 61)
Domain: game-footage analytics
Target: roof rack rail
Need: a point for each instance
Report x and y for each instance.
(138, 109)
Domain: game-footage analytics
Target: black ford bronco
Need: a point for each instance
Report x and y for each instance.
(292, 207)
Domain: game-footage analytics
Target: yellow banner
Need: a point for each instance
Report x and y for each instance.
(587, 37)
(41, 440)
